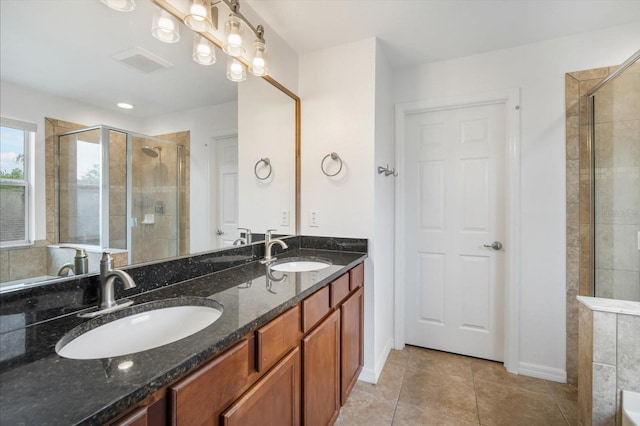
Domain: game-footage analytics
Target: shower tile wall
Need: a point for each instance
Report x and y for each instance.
(617, 179)
(117, 190)
(155, 204)
(578, 160)
(183, 139)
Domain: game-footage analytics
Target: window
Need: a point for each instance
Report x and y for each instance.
(15, 205)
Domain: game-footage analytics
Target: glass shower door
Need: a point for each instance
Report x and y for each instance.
(155, 191)
(616, 189)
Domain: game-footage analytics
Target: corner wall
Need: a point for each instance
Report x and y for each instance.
(538, 70)
(347, 109)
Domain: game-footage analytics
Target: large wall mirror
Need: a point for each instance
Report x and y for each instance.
(197, 157)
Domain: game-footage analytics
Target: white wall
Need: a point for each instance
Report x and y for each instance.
(266, 133)
(347, 109)
(384, 205)
(538, 69)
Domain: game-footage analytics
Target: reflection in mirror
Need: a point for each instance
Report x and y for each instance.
(172, 176)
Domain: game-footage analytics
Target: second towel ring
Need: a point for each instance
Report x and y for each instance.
(334, 157)
(267, 163)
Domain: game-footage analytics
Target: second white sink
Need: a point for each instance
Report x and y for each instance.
(300, 264)
(137, 332)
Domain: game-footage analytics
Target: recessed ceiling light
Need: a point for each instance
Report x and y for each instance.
(125, 105)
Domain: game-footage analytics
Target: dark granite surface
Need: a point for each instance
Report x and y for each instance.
(37, 386)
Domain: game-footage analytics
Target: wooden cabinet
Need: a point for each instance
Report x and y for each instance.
(351, 346)
(200, 397)
(321, 372)
(273, 401)
(298, 368)
(277, 337)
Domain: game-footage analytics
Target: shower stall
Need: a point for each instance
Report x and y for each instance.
(614, 111)
(119, 190)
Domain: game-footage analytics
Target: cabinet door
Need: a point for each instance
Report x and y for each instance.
(351, 322)
(321, 372)
(273, 401)
(200, 397)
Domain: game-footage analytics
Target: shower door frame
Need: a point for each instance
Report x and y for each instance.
(104, 208)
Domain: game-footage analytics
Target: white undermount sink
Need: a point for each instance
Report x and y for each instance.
(300, 264)
(139, 328)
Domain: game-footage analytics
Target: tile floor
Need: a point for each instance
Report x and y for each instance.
(425, 387)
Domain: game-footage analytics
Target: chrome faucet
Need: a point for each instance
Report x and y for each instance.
(246, 239)
(108, 276)
(268, 243)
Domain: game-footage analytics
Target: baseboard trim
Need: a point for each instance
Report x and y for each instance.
(372, 375)
(542, 372)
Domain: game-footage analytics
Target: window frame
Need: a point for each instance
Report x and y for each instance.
(28, 131)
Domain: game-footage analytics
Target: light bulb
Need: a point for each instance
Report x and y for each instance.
(120, 5)
(165, 27)
(259, 62)
(203, 51)
(199, 16)
(233, 44)
(235, 70)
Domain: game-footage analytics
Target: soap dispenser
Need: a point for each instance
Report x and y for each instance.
(80, 260)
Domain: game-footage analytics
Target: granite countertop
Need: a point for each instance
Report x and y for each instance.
(40, 387)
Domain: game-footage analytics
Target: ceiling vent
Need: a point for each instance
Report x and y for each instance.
(142, 60)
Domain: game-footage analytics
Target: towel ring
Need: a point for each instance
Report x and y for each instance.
(334, 157)
(267, 163)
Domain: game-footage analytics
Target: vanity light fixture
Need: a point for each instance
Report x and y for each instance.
(165, 27)
(204, 52)
(202, 17)
(198, 18)
(235, 70)
(125, 105)
(120, 5)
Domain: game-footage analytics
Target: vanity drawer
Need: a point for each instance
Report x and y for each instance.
(314, 308)
(356, 277)
(277, 338)
(201, 396)
(339, 290)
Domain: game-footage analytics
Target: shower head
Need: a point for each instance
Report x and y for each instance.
(151, 152)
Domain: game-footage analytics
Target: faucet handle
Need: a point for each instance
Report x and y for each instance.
(268, 232)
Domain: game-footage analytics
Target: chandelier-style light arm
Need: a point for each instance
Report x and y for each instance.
(234, 6)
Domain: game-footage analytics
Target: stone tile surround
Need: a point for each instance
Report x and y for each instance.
(609, 357)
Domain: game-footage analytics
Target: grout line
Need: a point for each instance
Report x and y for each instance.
(475, 394)
(564, 416)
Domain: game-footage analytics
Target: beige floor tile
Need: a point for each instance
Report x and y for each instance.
(447, 394)
(410, 415)
(389, 383)
(426, 359)
(567, 398)
(494, 372)
(365, 409)
(507, 405)
(398, 357)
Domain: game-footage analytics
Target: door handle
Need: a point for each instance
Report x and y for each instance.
(496, 245)
(220, 232)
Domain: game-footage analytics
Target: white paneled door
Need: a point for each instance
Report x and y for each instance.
(227, 191)
(455, 208)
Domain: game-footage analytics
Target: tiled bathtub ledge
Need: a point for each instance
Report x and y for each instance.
(626, 307)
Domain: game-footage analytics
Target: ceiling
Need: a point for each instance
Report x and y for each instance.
(421, 31)
(70, 48)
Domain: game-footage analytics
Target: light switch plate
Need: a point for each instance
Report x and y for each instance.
(284, 218)
(313, 219)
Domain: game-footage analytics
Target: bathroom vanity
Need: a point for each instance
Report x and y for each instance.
(288, 346)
